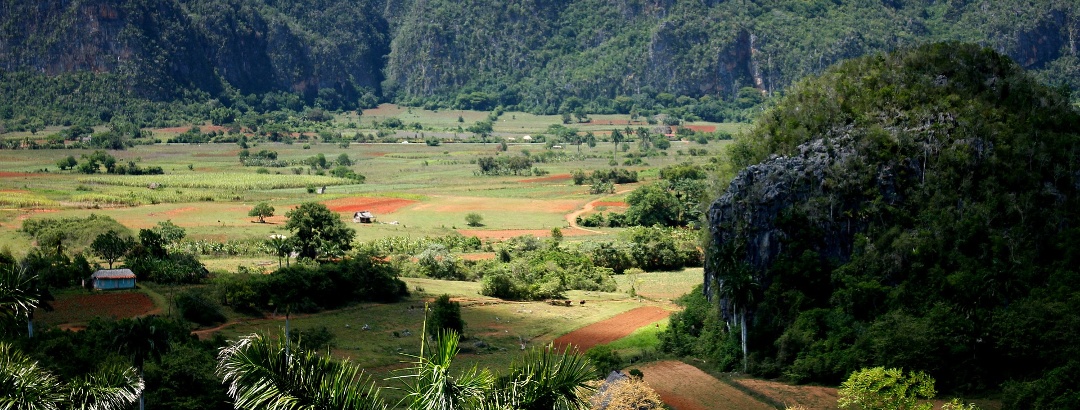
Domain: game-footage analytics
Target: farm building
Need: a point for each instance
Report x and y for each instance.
(107, 279)
(363, 217)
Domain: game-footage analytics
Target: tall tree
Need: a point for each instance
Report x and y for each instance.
(263, 210)
(430, 385)
(111, 246)
(313, 224)
(282, 247)
(616, 138)
(141, 338)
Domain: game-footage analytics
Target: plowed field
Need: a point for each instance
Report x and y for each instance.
(685, 387)
(79, 309)
(610, 330)
(374, 205)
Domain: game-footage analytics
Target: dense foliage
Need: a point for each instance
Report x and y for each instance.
(184, 61)
(308, 288)
(71, 234)
(914, 209)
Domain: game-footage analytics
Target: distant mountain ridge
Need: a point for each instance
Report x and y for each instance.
(541, 56)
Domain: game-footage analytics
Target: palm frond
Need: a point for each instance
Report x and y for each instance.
(25, 385)
(263, 373)
(111, 388)
(546, 379)
(18, 294)
(430, 386)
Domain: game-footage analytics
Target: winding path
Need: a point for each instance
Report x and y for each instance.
(571, 218)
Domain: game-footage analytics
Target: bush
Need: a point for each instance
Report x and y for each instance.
(1054, 390)
(474, 219)
(317, 338)
(886, 389)
(195, 307)
(604, 359)
(437, 262)
(444, 314)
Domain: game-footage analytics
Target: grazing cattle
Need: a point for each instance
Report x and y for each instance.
(583, 301)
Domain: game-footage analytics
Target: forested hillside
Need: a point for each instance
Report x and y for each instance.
(703, 59)
(918, 210)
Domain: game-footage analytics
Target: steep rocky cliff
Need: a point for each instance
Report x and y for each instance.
(534, 55)
(166, 49)
(902, 210)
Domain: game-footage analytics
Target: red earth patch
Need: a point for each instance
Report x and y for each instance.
(71, 309)
(374, 205)
(610, 330)
(18, 174)
(700, 128)
(610, 204)
(549, 178)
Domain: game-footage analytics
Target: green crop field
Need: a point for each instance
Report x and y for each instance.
(415, 190)
(206, 190)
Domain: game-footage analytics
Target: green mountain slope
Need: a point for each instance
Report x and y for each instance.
(707, 59)
(918, 209)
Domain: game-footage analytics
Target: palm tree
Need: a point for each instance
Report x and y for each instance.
(282, 247)
(261, 373)
(616, 138)
(431, 387)
(18, 295)
(141, 338)
(545, 379)
(24, 384)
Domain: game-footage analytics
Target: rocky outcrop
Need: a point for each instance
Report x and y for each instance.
(749, 213)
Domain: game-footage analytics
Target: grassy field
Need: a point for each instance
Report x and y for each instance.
(415, 190)
(208, 192)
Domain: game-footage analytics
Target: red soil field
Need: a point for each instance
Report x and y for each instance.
(700, 128)
(549, 178)
(375, 205)
(18, 174)
(610, 204)
(178, 211)
(685, 387)
(79, 309)
(811, 397)
(610, 330)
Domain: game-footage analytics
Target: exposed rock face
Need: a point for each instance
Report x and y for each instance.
(163, 47)
(761, 194)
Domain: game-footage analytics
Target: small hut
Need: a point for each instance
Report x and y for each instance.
(363, 217)
(108, 279)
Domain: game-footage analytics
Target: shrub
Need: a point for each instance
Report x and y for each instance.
(474, 219)
(316, 338)
(195, 307)
(604, 358)
(444, 314)
(879, 388)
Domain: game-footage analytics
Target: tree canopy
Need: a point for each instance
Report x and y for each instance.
(914, 209)
(318, 231)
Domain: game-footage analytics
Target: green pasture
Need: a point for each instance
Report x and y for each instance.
(494, 333)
